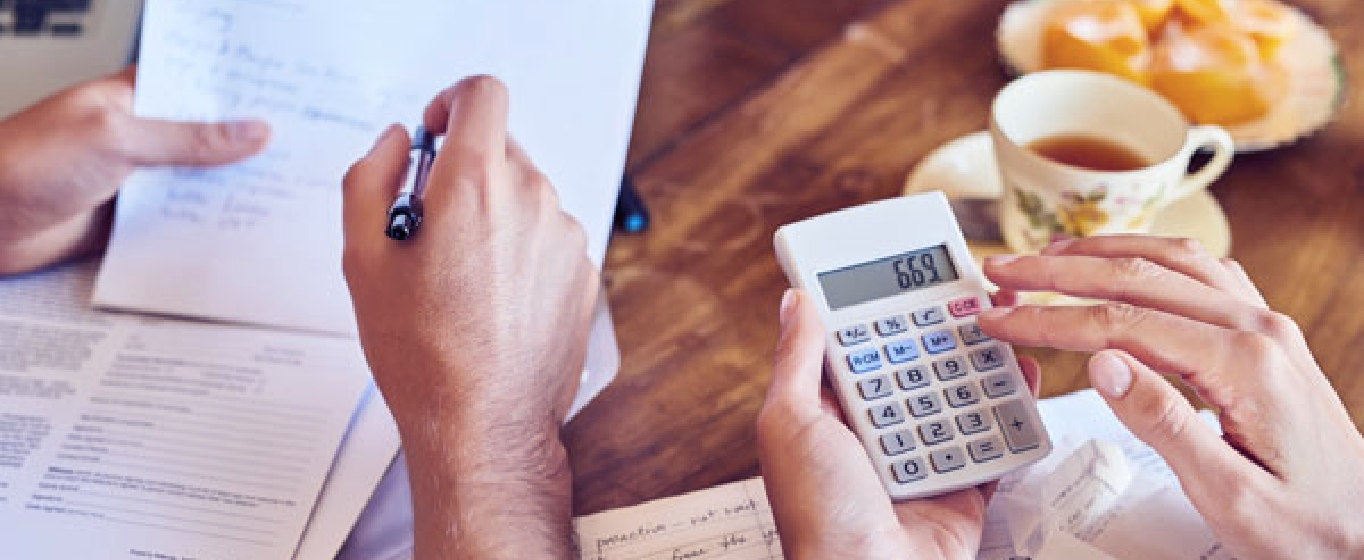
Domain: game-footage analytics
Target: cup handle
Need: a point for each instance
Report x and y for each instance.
(1224, 148)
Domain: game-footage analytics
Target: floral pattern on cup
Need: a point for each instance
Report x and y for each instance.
(1082, 214)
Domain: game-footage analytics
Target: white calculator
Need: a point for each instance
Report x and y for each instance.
(938, 405)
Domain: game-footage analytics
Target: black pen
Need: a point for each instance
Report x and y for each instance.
(631, 214)
(405, 216)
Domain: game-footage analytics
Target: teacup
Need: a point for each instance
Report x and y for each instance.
(1045, 199)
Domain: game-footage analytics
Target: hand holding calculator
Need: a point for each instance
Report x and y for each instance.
(937, 404)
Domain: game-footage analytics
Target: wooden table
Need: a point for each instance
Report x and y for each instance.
(755, 113)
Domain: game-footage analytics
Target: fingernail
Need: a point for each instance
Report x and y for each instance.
(997, 312)
(1000, 260)
(788, 302)
(248, 131)
(1056, 247)
(1110, 375)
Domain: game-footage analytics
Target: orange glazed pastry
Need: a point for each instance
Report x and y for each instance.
(1268, 22)
(1152, 12)
(1205, 11)
(1100, 35)
(1215, 74)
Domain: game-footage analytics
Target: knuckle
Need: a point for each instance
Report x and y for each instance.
(1116, 316)
(1188, 248)
(1256, 348)
(1166, 415)
(1231, 264)
(1134, 269)
(1274, 325)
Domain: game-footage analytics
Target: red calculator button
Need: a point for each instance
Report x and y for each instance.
(964, 307)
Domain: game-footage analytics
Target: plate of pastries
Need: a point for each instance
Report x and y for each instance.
(1262, 69)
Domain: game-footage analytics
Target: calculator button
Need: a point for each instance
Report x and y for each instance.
(971, 334)
(928, 316)
(898, 442)
(874, 388)
(854, 335)
(987, 358)
(908, 470)
(947, 459)
(886, 414)
(983, 450)
(961, 395)
(892, 325)
(949, 368)
(913, 378)
(1018, 427)
(999, 384)
(964, 307)
(864, 360)
(902, 351)
(926, 404)
(938, 342)
(973, 422)
(935, 432)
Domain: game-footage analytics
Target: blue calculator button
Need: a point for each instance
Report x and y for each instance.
(938, 342)
(865, 360)
(902, 351)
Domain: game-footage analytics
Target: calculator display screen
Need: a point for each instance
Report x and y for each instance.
(886, 277)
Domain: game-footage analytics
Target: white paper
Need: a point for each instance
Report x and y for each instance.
(260, 242)
(126, 437)
(366, 454)
(733, 521)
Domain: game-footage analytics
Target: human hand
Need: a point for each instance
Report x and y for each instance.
(475, 328)
(63, 159)
(1283, 482)
(825, 493)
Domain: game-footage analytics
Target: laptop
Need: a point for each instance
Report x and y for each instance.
(49, 45)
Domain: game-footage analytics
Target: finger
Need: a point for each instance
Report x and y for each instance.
(1198, 352)
(1004, 298)
(473, 116)
(152, 142)
(1185, 256)
(373, 182)
(1240, 276)
(800, 354)
(1157, 414)
(1133, 280)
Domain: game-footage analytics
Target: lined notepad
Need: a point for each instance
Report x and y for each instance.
(733, 521)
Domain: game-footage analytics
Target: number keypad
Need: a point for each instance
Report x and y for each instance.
(940, 394)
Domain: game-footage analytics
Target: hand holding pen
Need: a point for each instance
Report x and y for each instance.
(405, 215)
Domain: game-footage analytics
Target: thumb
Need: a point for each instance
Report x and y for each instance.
(800, 353)
(1159, 415)
(152, 142)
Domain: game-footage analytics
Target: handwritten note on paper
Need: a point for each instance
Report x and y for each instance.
(733, 522)
(260, 241)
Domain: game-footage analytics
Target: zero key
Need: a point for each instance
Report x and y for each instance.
(964, 307)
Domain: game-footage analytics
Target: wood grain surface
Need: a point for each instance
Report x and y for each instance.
(755, 113)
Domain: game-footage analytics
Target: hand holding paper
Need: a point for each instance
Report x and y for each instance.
(62, 160)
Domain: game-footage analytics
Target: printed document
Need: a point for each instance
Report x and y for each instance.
(129, 437)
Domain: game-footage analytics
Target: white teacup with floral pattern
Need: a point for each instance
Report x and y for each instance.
(1045, 200)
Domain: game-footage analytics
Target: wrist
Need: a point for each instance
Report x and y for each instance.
(480, 495)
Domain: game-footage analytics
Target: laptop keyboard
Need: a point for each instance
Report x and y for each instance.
(33, 18)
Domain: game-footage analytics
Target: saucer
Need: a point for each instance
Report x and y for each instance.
(965, 170)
